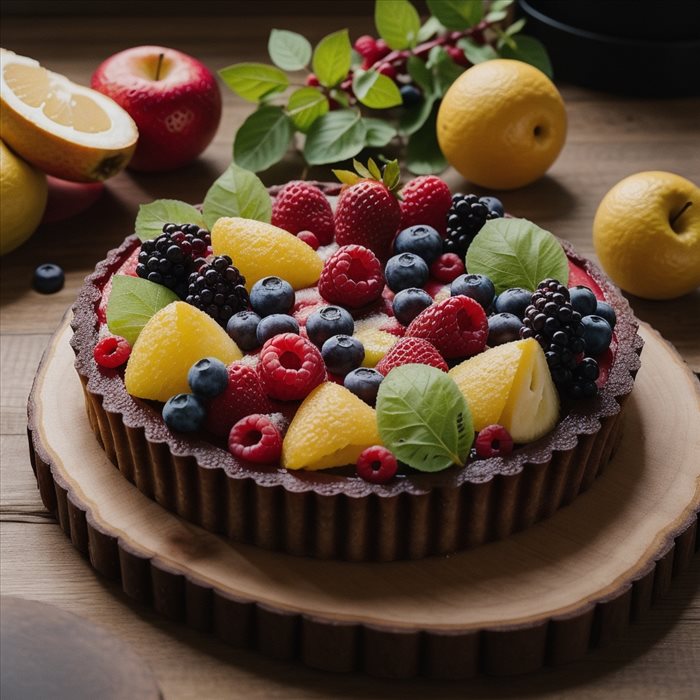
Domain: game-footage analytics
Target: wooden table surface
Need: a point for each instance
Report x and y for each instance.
(609, 138)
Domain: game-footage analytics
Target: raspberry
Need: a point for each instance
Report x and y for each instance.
(426, 201)
(301, 206)
(376, 465)
(447, 268)
(112, 351)
(243, 395)
(290, 367)
(352, 276)
(493, 441)
(411, 350)
(255, 438)
(309, 237)
(457, 327)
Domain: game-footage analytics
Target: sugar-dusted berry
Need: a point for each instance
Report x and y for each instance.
(425, 200)
(351, 277)
(408, 351)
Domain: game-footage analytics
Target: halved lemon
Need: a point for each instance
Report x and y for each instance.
(64, 129)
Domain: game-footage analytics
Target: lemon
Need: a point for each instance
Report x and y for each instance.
(646, 234)
(502, 124)
(376, 343)
(64, 129)
(23, 191)
(259, 249)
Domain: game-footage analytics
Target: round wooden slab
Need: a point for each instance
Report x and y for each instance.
(543, 596)
(47, 652)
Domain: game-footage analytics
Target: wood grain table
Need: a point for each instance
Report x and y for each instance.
(609, 137)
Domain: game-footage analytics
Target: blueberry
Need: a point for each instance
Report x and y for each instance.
(583, 300)
(513, 301)
(328, 321)
(478, 287)
(406, 270)
(597, 334)
(364, 383)
(208, 377)
(48, 278)
(274, 325)
(271, 295)
(604, 310)
(422, 240)
(342, 353)
(410, 95)
(408, 303)
(494, 205)
(242, 328)
(503, 328)
(184, 413)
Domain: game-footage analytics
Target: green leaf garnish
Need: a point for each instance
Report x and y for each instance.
(152, 217)
(288, 50)
(423, 418)
(305, 106)
(431, 27)
(397, 22)
(375, 90)
(477, 53)
(252, 81)
(529, 50)
(262, 139)
(378, 133)
(516, 253)
(131, 304)
(334, 137)
(445, 70)
(332, 58)
(457, 14)
(423, 155)
(413, 118)
(237, 192)
(420, 74)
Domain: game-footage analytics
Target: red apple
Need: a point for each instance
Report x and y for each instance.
(173, 98)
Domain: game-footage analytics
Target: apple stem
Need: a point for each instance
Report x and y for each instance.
(680, 213)
(158, 67)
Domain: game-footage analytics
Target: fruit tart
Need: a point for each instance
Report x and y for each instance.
(363, 378)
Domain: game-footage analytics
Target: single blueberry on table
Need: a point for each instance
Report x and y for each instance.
(48, 278)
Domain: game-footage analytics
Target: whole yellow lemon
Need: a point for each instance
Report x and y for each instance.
(646, 234)
(502, 124)
(23, 192)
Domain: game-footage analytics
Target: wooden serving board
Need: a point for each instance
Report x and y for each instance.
(541, 597)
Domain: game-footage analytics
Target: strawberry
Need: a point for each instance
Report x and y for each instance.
(411, 350)
(300, 206)
(243, 396)
(457, 327)
(426, 200)
(368, 211)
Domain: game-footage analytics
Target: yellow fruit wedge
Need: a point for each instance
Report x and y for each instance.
(376, 343)
(330, 429)
(510, 385)
(259, 249)
(174, 339)
(64, 129)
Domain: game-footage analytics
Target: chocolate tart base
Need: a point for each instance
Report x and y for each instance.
(337, 517)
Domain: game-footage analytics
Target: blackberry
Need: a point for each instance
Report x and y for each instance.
(465, 218)
(583, 385)
(218, 289)
(171, 257)
(552, 322)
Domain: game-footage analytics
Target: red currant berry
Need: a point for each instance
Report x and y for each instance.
(112, 351)
(309, 238)
(312, 80)
(457, 55)
(447, 268)
(388, 70)
(382, 49)
(376, 465)
(493, 441)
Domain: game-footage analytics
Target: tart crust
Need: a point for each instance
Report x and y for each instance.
(341, 517)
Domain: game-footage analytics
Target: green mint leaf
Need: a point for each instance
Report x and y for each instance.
(498, 10)
(516, 253)
(289, 50)
(421, 75)
(152, 217)
(131, 304)
(397, 22)
(341, 97)
(335, 136)
(252, 81)
(237, 192)
(431, 27)
(423, 418)
(375, 90)
(332, 58)
(305, 106)
(477, 53)
(445, 70)
(515, 27)
(378, 133)
(263, 139)
(413, 118)
(457, 14)
(423, 154)
(529, 50)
